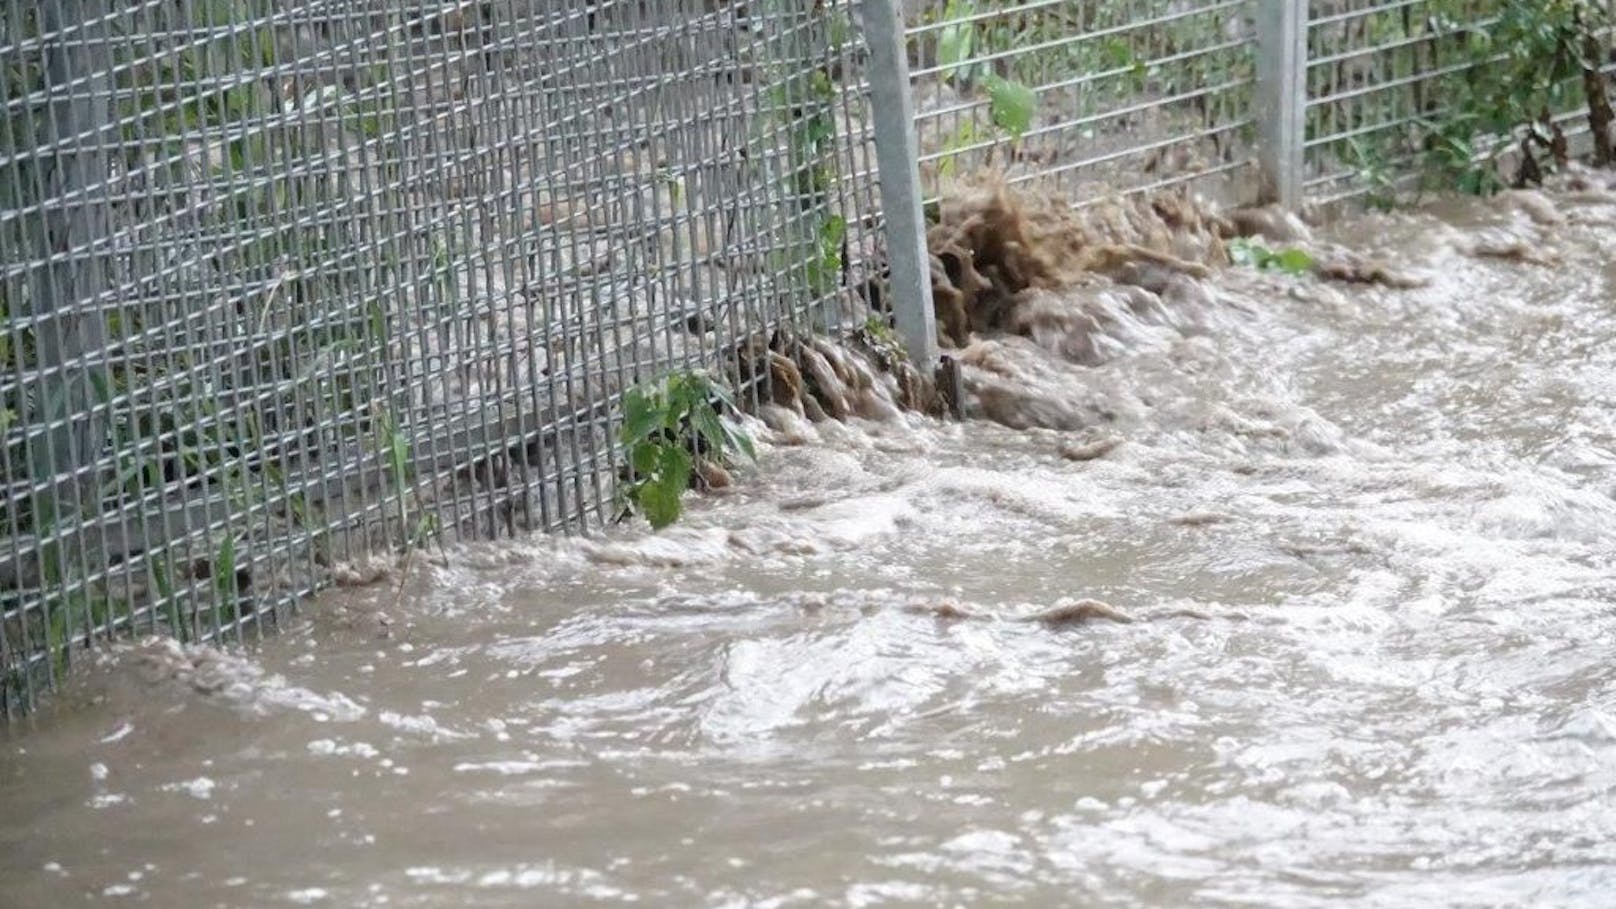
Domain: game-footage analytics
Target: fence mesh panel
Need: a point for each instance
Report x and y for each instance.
(287, 281)
(1377, 71)
(1374, 72)
(1088, 97)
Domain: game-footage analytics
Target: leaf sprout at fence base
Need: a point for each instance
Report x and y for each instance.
(1293, 262)
(670, 430)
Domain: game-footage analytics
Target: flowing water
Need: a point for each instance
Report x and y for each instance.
(1353, 557)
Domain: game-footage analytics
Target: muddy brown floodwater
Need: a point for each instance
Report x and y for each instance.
(1353, 552)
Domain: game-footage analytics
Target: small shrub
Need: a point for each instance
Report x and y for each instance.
(1537, 58)
(668, 429)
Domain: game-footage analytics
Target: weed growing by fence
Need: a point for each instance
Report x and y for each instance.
(1535, 60)
(803, 102)
(669, 429)
(1011, 103)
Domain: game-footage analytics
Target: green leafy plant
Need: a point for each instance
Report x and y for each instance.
(956, 41)
(1534, 60)
(1118, 55)
(668, 429)
(881, 342)
(1247, 252)
(1011, 105)
(803, 103)
(876, 328)
(1375, 173)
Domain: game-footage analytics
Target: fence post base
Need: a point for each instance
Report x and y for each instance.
(897, 156)
(1282, 100)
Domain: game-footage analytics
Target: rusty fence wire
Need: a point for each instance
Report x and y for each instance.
(288, 281)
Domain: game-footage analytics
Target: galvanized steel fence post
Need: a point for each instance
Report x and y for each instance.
(897, 157)
(1282, 99)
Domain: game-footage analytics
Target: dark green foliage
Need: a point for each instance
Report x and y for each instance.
(1536, 59)
(1376, 174)
(667, 427)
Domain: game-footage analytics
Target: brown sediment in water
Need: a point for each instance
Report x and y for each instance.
(1009, 268)
(869, 650)
(1350, 267)
(1090, 448)
(1081, 612)
(942, 609)
(994, 249)
(1007, 263)
(812, 379)
(1025, 287)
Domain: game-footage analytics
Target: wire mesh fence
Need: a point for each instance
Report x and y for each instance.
(1374, 70)
(285, 282)
(1382, 75)
(1087, 97)
(288, 282)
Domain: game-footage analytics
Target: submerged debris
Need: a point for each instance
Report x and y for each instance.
(1356, 268)
(1090, 447)
(942, 609)
(1080, 612)
(229, 680)
(1510, 246)
(1016, 278)
(1269, 222)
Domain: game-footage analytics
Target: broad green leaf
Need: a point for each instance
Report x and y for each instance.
(1293, 262)
(1245, 252)
(660, 498)
(687, 393)
(644, 458)
(660, 503)
(1011, 105)
(719, 392)
(674, 462)
(643, 414)
(741, 441)
(705, 421)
